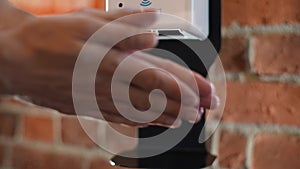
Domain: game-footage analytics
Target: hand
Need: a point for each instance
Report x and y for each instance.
(38, 55)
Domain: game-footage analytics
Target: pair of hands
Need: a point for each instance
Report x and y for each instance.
(38, 55)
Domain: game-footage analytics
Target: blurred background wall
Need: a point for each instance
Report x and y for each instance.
(260, 126)
(42, 7)
(261, 55)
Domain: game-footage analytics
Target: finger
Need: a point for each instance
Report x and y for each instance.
(138, 42)
(143, 18)
(129, 112)
(107, 112)
(109, 117)
(125, 114)
(167, 121)
(148, 77)
(125, 37)
(173, 122)
(116, 34)
(184, 74)
(142, 100)
(210, 102)
(136, 117)
(110, 60)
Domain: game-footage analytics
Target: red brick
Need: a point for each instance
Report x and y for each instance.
(277, 54)
(102, 163)
(258, 12)
(262, 103)
(276, 152)
(2, 154)
(8, 124)
(73, 133)
(232, 149)
(38, 128)
(34, 158)
(234, 54)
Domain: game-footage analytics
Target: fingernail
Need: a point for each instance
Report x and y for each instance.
(213, 88)
(192, 117)
(151, 40)
(176, 124)
(199, 116)
(170, 121)
(196, 119)
(143, 126)
(216, 103)
(202, 110)
(194, 101)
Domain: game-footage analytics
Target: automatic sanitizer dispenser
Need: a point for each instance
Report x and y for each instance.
(198, 49)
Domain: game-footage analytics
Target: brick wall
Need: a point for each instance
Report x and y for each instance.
(260, 128)
(33, 137)
(41, 7)
(261, 54)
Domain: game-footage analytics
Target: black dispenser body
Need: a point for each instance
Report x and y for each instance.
(199, 56)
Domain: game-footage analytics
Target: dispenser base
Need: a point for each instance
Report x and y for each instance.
(167, 160)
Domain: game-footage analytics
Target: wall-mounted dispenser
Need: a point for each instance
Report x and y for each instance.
(198, 49)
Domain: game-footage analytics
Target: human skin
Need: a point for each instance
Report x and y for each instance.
(38, 54)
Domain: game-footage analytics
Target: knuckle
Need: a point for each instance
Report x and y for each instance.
(154, 80)
(20, 37)
(165, 120)
(82, 21)
(161, 119)
(173, 109)
(141, 104)
(111, 61)
(84, 10)
(168, 65)
(133, 124)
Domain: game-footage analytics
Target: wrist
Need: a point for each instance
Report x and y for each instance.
(10, 18)
(3, 3)
(3, 66)
(10, 15)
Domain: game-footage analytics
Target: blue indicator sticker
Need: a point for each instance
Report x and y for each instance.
(146, 3)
